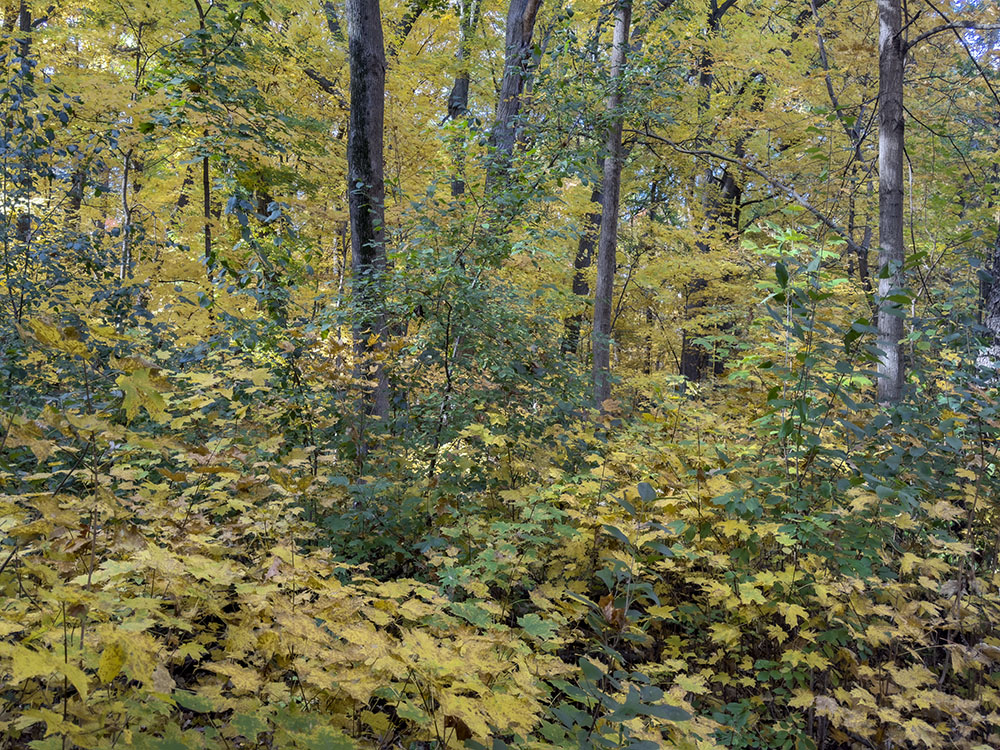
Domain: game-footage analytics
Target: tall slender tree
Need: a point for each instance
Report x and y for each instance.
(611, 188)
(521, 16)
(366, 189)
(890, 201)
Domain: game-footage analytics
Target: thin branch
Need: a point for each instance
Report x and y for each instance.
(952, 26)
(972, 57)
(788, 190)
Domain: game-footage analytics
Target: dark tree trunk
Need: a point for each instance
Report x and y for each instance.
(890, 201)
(521, 17)
(722, 213)
(206, 212)
(78, 182)
(24, 26)
(581, 264)
(611, 188)
(366, 189)
(458, 99)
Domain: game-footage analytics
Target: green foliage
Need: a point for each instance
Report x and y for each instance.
(206, 541)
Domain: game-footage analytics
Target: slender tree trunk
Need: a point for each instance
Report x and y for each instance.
(206, 212)
(989, 312)
(521, 17)
(611, 188)
(695, 357)
(78, 182)
(24, 26)
(890, 201)
(581, 264)
(125, 262)
(458, 99)
(366, 188)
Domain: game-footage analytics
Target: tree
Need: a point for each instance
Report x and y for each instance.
(610, 190)
(366, 189)
(521, 16)
(890, 202)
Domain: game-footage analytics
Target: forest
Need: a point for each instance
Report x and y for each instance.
(500, 374)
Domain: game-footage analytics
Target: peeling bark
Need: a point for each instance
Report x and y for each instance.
(890, 201)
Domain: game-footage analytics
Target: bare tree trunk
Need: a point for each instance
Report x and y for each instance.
(11, 13)
(890, 201)
(458, 99)
(581, 264)
(125, 262)
(521, 17)
(206, 212)
(989, 313)
(366, 187)
(611, 188)
(78, 182)
(24, 26)
(695, 357)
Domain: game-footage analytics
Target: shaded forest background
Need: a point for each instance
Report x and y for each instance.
(464, 374)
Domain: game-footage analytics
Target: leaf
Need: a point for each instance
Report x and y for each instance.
(536, 627)
(617, 534)
(664, 711)
(781, 273)
(138, 391)
(794, 614)
(192, 702)
(112, 661)
(472, 613)
(646, 492)
(750, 593)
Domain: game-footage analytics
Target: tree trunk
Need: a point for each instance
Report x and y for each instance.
(458, 99)
(366, 189)
(611, 188)
(521, 17)
(890, 201)
(989, 290)
(24, 26)
(581, 264)
(206, 212)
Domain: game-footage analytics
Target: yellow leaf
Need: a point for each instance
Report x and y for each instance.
(906, 564)
(138, 391)
(750, 593)
(692, 683)
(793, 614)
(803, 698)
(112, 661)
(722, 633)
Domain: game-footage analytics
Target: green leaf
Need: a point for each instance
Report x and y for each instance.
(536, 627)
(646, 492)
(782, 273)
(663, 711)
(472, 613)
(192, 702)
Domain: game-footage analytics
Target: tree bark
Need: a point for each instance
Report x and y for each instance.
(890, 201)
(366, 189)
(989, 290)
(611, 188)
(521, 17)
(458, 98)
(581, 264)
(206, 212)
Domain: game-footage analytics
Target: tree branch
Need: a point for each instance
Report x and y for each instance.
(953, 26)
(788, 190)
